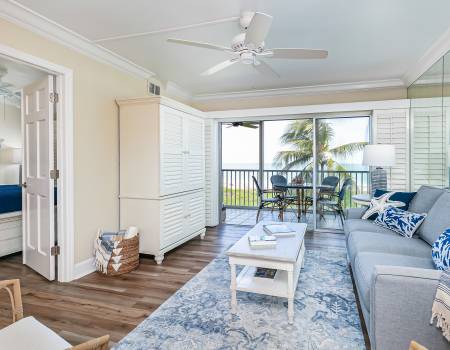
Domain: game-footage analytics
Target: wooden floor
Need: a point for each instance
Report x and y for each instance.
(95, 305)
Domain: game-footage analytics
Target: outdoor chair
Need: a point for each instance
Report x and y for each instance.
(265, 201)
(278, 181)
(36, 334)
(322, 194)
(335, 201)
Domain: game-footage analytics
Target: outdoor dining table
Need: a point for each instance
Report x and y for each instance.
(300, 189)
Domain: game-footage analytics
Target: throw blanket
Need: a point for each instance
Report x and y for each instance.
(441, 305)
(105, 245)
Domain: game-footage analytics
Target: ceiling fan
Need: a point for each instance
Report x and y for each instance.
(251, 125)
(248, 47)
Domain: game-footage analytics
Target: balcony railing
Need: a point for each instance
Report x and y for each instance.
(239, 190)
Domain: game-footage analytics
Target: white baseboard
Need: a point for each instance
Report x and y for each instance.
(83, 268)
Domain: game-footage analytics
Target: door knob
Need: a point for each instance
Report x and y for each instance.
(24, 185)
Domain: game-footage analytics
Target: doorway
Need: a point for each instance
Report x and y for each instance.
(36, 162)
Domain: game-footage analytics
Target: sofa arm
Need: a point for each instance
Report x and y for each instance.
(355, 213)
(401, 299)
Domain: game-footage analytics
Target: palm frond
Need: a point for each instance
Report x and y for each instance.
(347, 149)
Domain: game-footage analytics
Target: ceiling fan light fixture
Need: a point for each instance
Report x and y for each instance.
(247, 57)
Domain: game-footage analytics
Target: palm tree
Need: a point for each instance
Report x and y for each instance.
(300, 135)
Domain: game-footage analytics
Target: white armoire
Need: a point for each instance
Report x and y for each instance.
(162, 177)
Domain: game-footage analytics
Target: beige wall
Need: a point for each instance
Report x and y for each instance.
(96, 86)
(282, 101)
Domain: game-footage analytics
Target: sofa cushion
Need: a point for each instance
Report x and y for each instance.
(438, 219)
(440, 252)
(401, 221)
(424, 199)
(360, 241)
(365, 263)
(363, 225)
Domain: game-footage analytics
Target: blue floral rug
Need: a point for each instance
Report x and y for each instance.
(198, 315)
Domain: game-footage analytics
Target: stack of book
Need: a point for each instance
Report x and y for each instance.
(263, 241)
(278, 230)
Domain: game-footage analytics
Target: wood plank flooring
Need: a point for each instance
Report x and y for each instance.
(95, 304)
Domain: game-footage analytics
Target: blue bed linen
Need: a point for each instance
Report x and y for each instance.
(10, 198)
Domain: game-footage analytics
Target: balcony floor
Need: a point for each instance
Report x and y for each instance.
(248, 217)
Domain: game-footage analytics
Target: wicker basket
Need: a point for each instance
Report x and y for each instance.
(130, 257)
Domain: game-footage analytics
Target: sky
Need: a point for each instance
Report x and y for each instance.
(240, 144)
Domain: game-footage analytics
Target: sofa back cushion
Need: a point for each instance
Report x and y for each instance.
(437, 220)
(424, 199)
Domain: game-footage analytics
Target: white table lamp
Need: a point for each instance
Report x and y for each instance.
(379, 156)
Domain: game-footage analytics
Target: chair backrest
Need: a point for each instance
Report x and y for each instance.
(257, 186)
(278, 180)
(331, 181)
(94, 344)
(14, 296)
(347, 183)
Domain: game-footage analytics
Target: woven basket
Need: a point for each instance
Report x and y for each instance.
(130, 257)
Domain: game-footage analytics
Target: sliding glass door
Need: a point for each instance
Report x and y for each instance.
(339, 173)
(307, 169)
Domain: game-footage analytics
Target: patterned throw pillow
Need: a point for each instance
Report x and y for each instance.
(440, 252)
(379, 204)
(403, 222)
(405, 197)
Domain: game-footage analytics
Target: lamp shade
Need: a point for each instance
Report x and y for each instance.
(379, 155)
(13, 155)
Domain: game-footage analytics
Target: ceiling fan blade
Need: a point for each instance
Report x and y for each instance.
(265, 69)
(249, 125)
(296, 53)
(257, 30)
(220, 66)
(199, 44)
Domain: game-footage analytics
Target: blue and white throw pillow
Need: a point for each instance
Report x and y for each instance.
(379, 204)
(401, 221)
(440, 253)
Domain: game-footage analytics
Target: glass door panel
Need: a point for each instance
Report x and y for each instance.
(339, 170)
(240, 154)
(288, 159)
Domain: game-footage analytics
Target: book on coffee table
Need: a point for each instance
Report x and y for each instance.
(262, 241)
(263, 272)
(278, 230)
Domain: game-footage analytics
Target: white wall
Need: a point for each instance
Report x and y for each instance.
(10, 131)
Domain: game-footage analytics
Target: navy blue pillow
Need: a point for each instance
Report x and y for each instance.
(405, 197)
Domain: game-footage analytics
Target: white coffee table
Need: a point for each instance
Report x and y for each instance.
(286, 257)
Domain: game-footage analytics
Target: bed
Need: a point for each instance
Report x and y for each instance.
(10, 219)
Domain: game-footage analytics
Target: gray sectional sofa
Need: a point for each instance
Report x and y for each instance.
(395, 276)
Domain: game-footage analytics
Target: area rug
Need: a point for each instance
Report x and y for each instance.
(198, 315)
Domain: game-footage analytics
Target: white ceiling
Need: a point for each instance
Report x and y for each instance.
(367, 40)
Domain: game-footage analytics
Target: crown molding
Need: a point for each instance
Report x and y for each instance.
(439, 48)
(18, 14)
(302, 90)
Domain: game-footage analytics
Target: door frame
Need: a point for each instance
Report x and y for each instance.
(65, 159)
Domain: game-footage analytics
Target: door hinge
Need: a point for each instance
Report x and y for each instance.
(54, 97)
(55, 250)
(54, 174)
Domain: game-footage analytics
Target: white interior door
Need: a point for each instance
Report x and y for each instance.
(38, 187)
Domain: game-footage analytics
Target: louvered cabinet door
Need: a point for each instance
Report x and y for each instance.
(194, 160)
(172, 153)
(172, 218)
(195, 212)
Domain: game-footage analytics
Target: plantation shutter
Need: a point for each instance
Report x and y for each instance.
(429, 147)
(211, 173)
(392, 127)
